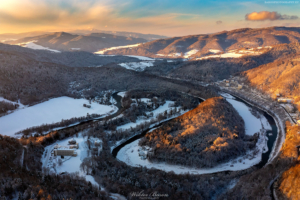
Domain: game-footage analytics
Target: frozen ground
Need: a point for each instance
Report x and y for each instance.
(137, 66)
(51, 111)
(129, 153)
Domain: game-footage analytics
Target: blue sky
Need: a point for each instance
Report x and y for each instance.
(156, 16)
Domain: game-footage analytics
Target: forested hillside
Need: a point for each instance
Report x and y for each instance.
(206, 136)
(90, 42)
(200, 45)
(215, 69)
(32, 81)
(279, 77)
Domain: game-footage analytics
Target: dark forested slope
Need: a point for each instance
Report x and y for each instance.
(91, 42)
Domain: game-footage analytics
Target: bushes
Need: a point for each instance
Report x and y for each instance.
(7, 106)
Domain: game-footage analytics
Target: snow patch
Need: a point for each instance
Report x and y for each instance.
(140, 57)
(214, 51)
(137, 66)
(118, 47)
(190, 53)
(34, 46)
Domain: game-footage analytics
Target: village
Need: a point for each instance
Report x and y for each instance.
(236, 85)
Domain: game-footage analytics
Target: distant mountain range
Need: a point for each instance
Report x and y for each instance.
(14, 36)
(92, 42)
(148, 37)
(233, 43)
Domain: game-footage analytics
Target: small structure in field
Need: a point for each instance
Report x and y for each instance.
(87, 106)
(72, 141)
(64, 152)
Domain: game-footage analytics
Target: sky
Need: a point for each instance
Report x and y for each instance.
(164, 17)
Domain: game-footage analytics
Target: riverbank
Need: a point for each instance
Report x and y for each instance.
(276, 111)
(128, 153)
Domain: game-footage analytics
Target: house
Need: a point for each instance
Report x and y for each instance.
(72, 141)
(65, 152)
(239, 87)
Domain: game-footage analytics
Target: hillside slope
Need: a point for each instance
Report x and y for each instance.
(31, 80)
(66, 42)
(279, 77)
(196, 46)
(208, 135)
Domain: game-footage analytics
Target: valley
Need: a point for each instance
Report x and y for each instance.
(210, 116)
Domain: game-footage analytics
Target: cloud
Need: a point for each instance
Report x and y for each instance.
(266, 15)
(219, 22)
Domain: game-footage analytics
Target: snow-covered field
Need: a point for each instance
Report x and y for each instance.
(51, 111)
(34, 46)
(70, 164)
(118, 47)
(129, 153)
(137, 66)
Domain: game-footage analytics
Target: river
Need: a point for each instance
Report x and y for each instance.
(127, 151)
